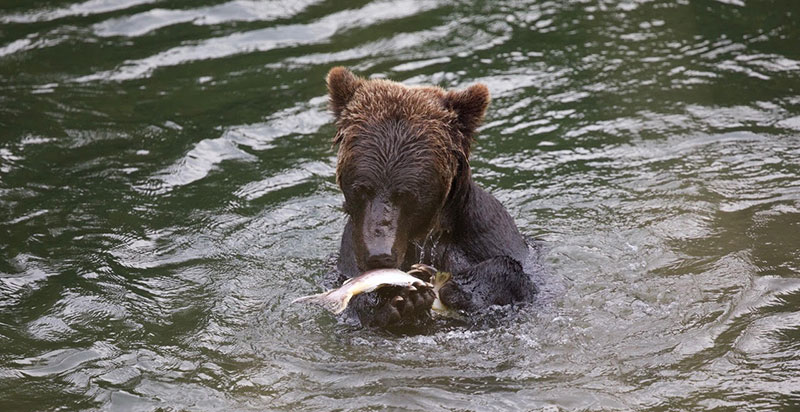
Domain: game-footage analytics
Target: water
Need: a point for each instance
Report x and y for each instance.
(167, 188)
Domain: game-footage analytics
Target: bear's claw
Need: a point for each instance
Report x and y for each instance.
(423, 271)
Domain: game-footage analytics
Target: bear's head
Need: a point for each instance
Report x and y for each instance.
(402, 159)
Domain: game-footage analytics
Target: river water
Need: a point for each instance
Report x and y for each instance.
(167, 188)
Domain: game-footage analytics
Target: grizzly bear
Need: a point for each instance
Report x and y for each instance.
(403, 166)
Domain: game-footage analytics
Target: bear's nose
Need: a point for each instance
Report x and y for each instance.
(378, 261)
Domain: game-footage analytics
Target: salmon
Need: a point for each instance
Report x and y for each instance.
(336, 300)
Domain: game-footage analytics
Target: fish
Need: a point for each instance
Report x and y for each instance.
(336, 300)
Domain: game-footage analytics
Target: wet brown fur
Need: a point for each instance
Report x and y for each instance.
(439, 121)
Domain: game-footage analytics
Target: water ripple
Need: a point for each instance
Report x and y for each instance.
(87, 8)
(207, 154)
(265, 39)
(232, 11)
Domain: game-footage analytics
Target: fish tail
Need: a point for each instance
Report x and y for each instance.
(330, 300)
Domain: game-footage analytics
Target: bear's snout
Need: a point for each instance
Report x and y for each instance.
(380, 233)
(381, 260)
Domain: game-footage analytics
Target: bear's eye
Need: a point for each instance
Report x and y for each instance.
(362, 193)
(356, 197)
(406, 198)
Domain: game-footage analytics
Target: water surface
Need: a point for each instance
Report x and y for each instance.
(167, 188)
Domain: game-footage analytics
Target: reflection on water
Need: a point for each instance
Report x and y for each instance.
(238, 10)
(167, 187)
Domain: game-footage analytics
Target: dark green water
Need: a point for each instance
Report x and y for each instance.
(167, 187)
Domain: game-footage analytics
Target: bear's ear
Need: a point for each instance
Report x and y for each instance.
(470, 105)
(342, 85)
